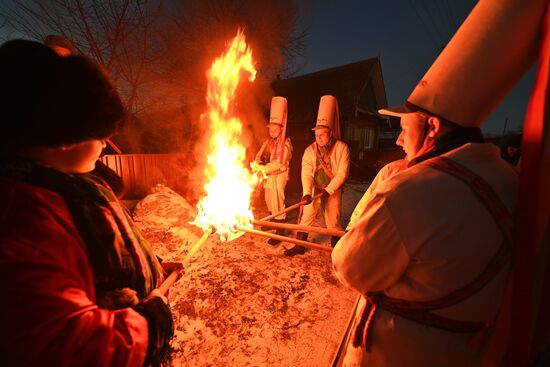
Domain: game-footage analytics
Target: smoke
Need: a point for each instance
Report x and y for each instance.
(190, 35)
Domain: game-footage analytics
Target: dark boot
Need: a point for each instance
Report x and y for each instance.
(279, 231)
(334, 240)
(273, 241)
(297, 250)
(267, 228)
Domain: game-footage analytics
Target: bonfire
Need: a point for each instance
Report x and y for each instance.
(230, 184)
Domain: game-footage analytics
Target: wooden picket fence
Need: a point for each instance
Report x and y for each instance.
(140, 172)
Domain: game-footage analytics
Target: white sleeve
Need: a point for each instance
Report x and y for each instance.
(342, 169)
(371, 256)
(308, 167)
(258, 157)
(385, 173)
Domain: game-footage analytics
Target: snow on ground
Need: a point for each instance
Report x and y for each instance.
(243, 303)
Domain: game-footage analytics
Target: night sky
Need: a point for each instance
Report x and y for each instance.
(408, 35)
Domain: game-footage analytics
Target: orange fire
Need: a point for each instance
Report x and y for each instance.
(230, 184)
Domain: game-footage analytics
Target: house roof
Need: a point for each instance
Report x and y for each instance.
(358, 87)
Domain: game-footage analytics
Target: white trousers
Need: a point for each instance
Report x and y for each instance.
(332, 210)
(274, 192)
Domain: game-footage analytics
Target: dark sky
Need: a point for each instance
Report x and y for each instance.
(408, 35)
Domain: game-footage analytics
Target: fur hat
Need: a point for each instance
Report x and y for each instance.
(48, 100)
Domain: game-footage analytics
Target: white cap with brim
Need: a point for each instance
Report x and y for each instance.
(408, 107)
(489, 53)
(278, 111)
(396, 111)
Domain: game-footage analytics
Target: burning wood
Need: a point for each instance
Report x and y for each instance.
(225, 209)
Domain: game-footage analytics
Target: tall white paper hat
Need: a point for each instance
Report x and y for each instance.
(278, 111)
(328, 115)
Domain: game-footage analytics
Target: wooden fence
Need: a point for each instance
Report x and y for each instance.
(140, 172)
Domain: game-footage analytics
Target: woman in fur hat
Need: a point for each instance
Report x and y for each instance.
(78, 282)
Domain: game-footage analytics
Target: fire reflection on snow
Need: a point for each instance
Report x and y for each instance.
(242, 302)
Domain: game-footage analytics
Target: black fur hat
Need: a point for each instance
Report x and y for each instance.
(48, 100)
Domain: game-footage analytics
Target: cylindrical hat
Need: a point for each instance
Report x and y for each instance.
(489, 53)
(328, 115)
(278, 111)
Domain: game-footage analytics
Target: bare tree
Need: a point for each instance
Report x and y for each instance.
(198, 31)
(158, 52)
(115, 33)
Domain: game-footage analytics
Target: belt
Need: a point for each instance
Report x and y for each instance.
(409, 311)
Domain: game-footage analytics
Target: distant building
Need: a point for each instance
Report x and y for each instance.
(359, 88)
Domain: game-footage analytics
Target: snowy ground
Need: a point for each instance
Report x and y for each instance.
(243, 303)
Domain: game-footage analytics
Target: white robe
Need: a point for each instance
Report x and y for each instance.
(421, 235)
(277, 177)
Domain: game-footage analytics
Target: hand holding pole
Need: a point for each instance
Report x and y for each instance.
(292, 207)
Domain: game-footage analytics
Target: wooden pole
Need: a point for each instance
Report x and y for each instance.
(171, 279)
(197, 245)
(291, 208)
(298, 227)
(295, 241)
(338, 359)
(112, 145)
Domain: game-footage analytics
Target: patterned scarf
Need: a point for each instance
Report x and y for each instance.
(120, 257)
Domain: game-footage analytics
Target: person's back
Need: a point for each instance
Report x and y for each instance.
(447, 237)
(454, 236)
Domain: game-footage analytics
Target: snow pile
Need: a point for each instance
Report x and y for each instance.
(243, 303)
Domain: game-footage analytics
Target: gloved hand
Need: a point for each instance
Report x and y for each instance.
(307, 199)
(258, 169)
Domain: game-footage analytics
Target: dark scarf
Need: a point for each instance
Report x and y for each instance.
(120, 257)
(452, 140)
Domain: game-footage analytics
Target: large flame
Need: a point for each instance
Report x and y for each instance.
(230, 184)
